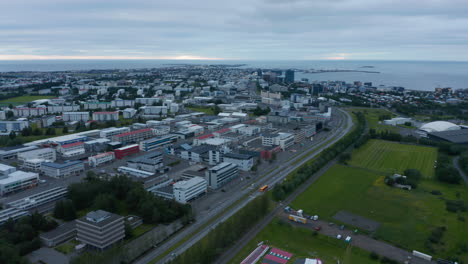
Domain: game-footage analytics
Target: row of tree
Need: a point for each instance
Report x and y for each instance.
(225, 234)
(281, 191)
(18, 238)
(119, 194)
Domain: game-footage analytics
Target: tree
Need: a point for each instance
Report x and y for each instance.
(105, 202)
(65, 130)
(9, 114)
(69, 211)
(12, 135)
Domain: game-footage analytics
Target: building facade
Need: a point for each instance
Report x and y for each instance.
(106, 116)
(101, 158)
(18, 181)
(156, 142)
(62, 170)
(43, 153)
(221, 174)
(75, 116)
(243, 161)
(185, 191)
(133, 136)
(100, 229)
(126, 151)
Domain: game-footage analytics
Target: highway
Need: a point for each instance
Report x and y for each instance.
(271, 178)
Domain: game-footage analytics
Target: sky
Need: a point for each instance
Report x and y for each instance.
(234, 30)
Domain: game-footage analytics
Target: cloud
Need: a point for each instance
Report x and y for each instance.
(243, 29)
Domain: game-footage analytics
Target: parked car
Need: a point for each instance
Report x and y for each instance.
(317, 228)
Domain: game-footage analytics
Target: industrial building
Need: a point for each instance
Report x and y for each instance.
(126, 151)
(100, 229)
(62, 170)
(185, 191)
(72, 149)
(134, 172)
(397, 121)
(17, 181)
(243, 161)
(112, 131)
(151, 162)
(453, 136)
(221, 174)
(43, 153)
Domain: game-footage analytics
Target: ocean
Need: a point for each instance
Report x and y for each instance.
(413, 75)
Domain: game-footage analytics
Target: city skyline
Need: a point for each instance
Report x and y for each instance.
(244, 30)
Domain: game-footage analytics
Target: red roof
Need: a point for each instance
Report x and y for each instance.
(205, 136)
(133, 132)
(276, 259)
(72, 145)
(224, 130)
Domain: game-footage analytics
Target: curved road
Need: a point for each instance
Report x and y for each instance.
(270, 179)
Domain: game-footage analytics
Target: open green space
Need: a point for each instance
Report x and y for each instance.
(67, 247)
(391, 157)
(25, 99)
(372, 116)
(206, 110)
(302, 243)
(407, 218)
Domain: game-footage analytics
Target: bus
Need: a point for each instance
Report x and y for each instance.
(263, 188)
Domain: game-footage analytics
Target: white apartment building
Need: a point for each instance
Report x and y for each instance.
(155, 110)
(62, 108)
(185, 191)
(147, 101)
(121, 102)
(42, 153)
(75, 116)
(106, 116)
(8, 126)
(27, 112)
(112, 131)
(129, 113)
(101, 158)
(221, 174)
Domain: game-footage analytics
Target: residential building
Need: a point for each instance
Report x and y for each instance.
(112, 131)
(185, 191)
(147, 101)
(42, 153)
(243, 161)
(120, 103)
(221, 174)
(101, 158)
(129, 113)
(155, 110)
(100, 229)
(27, 112)
(62, 108)
(106, 116)
(16, 126)
(92, 105)
(72, 149)
(18, 181)
(156, 142)
(126, 151)
(62, 170)
(133, 136)
(75, 116)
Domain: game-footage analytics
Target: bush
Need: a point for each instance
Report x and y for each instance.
(436, 192)
(386, 260)
(374, 256)
(436, 235)
(455, 206)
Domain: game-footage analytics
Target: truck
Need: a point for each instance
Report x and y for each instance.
(298, 219)
(263, 188)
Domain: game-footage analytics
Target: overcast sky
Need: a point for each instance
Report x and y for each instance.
(236, 29)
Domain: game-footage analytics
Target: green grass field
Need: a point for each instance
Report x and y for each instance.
(391, 157)
(372, 117)
(25, 99)
(406, 217)
(206, 110)
(302, 243)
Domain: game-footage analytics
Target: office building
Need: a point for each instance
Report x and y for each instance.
(221, 174)
(32, 164)
(284, 140)
(289, 76)
(72, 149)
(42, 153)
(18, 181)
(134, 172)
(101, 158)
(133, 136)
(185, 191)
(126, 151)
(106, 116)
(100, 229)
(5, 170)
(11, 213)
(112, 131)
(243, 161)
(156, 142)
(38, 199)
(151, 162)
(75, 116)
(62, 170)
(16, 126)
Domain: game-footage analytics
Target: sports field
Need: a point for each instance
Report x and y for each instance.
(25, 99)
(391, 157)
(302, 243)
(407, 218)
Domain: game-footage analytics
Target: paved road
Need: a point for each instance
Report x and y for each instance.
(270, 179)
(362, 241)
(457, 166)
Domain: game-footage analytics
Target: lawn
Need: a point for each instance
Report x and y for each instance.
(206, 110)
(372, 117)
(302, 243)
(25, 99)
(407, 218)
(67, 247)
(392, 157)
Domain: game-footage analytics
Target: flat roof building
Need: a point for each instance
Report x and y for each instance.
(243, 161)
(62, 170)
(221, 174)
(18, 181)
(185, 191)
(100, 229)
(42, 153)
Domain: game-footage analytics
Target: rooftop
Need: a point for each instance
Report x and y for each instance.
(134, 132)
(454, 136)
(67, 163)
